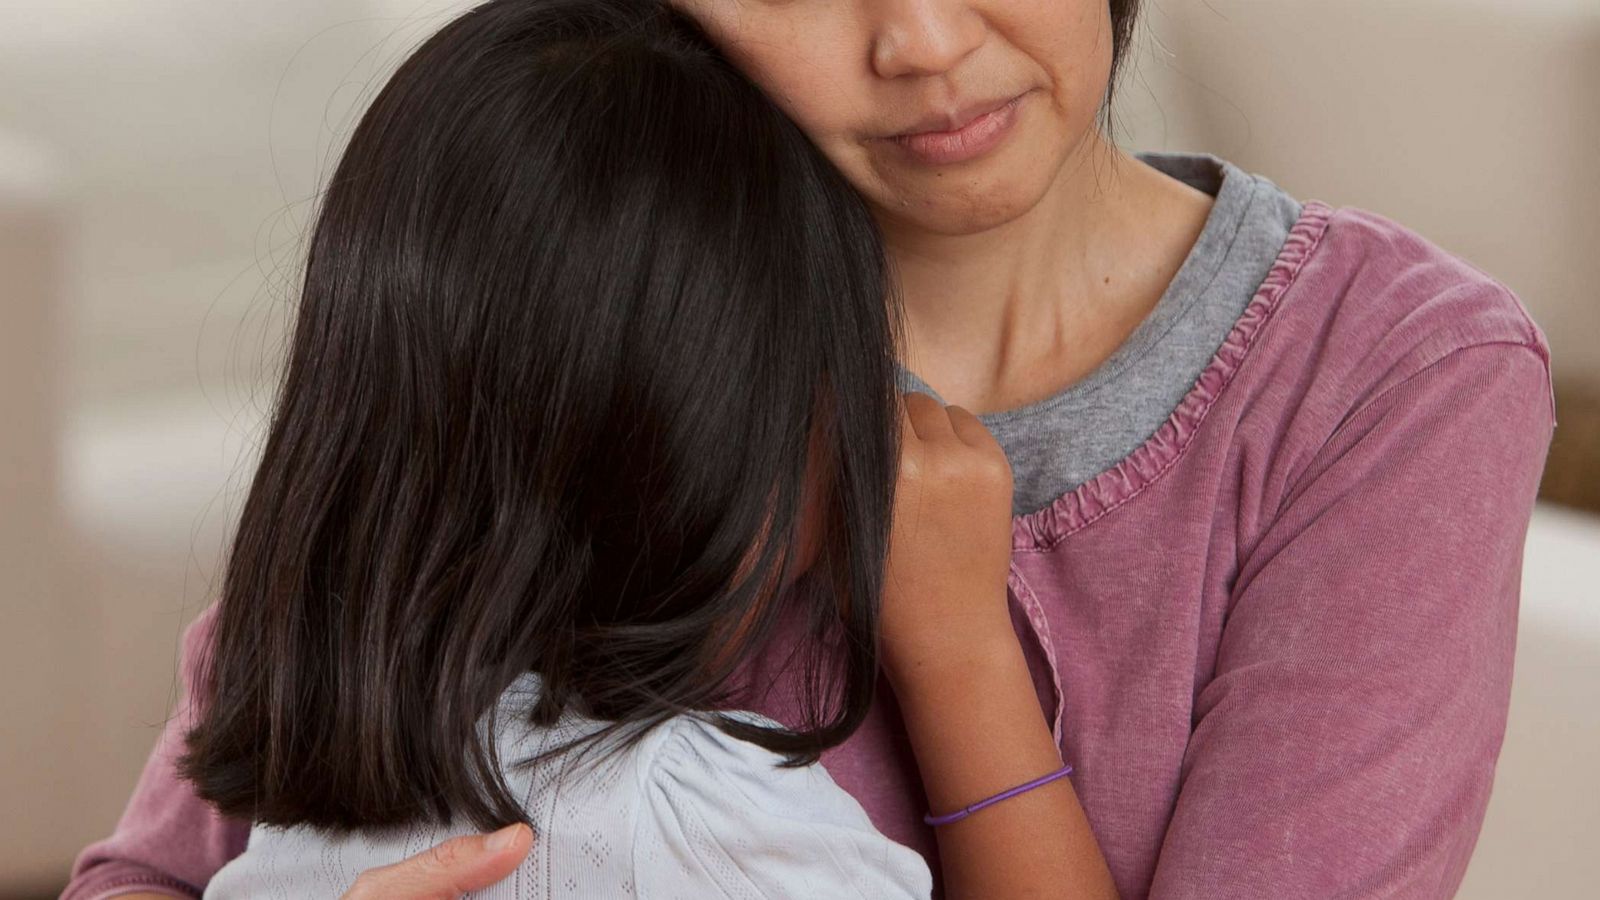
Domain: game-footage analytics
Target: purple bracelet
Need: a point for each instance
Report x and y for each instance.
(960, 814)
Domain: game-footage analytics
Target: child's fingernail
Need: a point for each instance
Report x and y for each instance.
(503, 838)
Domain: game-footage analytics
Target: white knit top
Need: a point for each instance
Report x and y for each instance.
(688, 812)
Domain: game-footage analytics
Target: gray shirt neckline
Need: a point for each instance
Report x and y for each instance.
(1060, 442)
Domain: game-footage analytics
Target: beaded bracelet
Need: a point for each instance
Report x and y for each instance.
(960, 814)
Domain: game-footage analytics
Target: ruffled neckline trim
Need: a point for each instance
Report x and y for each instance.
(1083, 506)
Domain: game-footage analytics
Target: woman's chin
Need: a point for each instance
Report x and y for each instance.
(923, 192)
(967, 199)
(979, 205)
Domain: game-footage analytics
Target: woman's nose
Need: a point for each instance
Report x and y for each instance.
(922, 37)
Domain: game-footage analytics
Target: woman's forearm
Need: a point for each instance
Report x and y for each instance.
(977, 730)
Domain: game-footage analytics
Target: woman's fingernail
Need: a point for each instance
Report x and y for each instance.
(503, 838)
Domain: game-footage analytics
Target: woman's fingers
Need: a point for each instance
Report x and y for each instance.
(450, 869)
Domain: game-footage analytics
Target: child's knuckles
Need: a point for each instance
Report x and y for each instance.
(996, 469)
(912, 465)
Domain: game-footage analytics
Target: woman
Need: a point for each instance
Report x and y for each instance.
(1273, 466)
(511, 540)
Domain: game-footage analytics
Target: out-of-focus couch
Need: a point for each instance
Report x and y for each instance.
(1539, 837)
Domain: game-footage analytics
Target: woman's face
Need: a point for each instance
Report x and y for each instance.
(950, 116)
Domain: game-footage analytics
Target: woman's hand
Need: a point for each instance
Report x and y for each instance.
(449, 870)
(944, 605)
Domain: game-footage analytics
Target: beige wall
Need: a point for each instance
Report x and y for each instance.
(1477, 123)
(39, 694)
(155, 158)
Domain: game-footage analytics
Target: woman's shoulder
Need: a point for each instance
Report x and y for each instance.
(1370, 282)
(1362, 304)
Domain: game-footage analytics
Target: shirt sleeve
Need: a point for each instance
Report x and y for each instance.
(1346, 744)
(720, 820)
(168, 841)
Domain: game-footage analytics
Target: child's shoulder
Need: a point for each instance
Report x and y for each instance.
(696, 758)
(685, 762)
(717, 809)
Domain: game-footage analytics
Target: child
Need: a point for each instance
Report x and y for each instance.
(592, 385)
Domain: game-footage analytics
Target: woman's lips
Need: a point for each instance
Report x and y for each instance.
(974, 136)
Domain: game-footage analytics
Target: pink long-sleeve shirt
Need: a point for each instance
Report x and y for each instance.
(1276, 640)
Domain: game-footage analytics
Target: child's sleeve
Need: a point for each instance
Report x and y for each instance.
(719, 820)
(168, 841)
(1346, 745)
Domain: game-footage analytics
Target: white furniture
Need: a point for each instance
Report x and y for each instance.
(1539, 837)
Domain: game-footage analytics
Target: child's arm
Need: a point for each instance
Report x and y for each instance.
(958, 672)
(169, 842)
(977, 730)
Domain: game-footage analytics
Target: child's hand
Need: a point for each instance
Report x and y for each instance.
(944, 605)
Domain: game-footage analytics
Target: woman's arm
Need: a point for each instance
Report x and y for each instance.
(959, 675)
(169, 842)
(1347, 741)
(444, 872)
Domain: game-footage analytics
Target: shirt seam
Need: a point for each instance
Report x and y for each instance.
(1043, 530)
(1104, 378)
(1292, 490)
(128, 884)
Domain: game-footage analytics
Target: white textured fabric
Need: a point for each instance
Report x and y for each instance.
(688, 812)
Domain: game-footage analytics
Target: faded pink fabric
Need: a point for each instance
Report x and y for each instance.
(1276, 640)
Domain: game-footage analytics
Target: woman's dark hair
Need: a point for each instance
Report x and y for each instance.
(1124, 15)
(577, 300)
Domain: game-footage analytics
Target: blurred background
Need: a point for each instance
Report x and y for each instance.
(157, 161)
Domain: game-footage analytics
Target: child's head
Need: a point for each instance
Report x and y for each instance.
(578, 302)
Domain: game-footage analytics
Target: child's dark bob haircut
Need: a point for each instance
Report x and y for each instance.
(577, 300)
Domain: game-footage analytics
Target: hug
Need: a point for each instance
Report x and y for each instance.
(733, 448)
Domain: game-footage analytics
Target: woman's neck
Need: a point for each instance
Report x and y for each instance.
(1010, 315)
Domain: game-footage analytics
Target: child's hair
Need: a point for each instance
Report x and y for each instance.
(577, 300)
